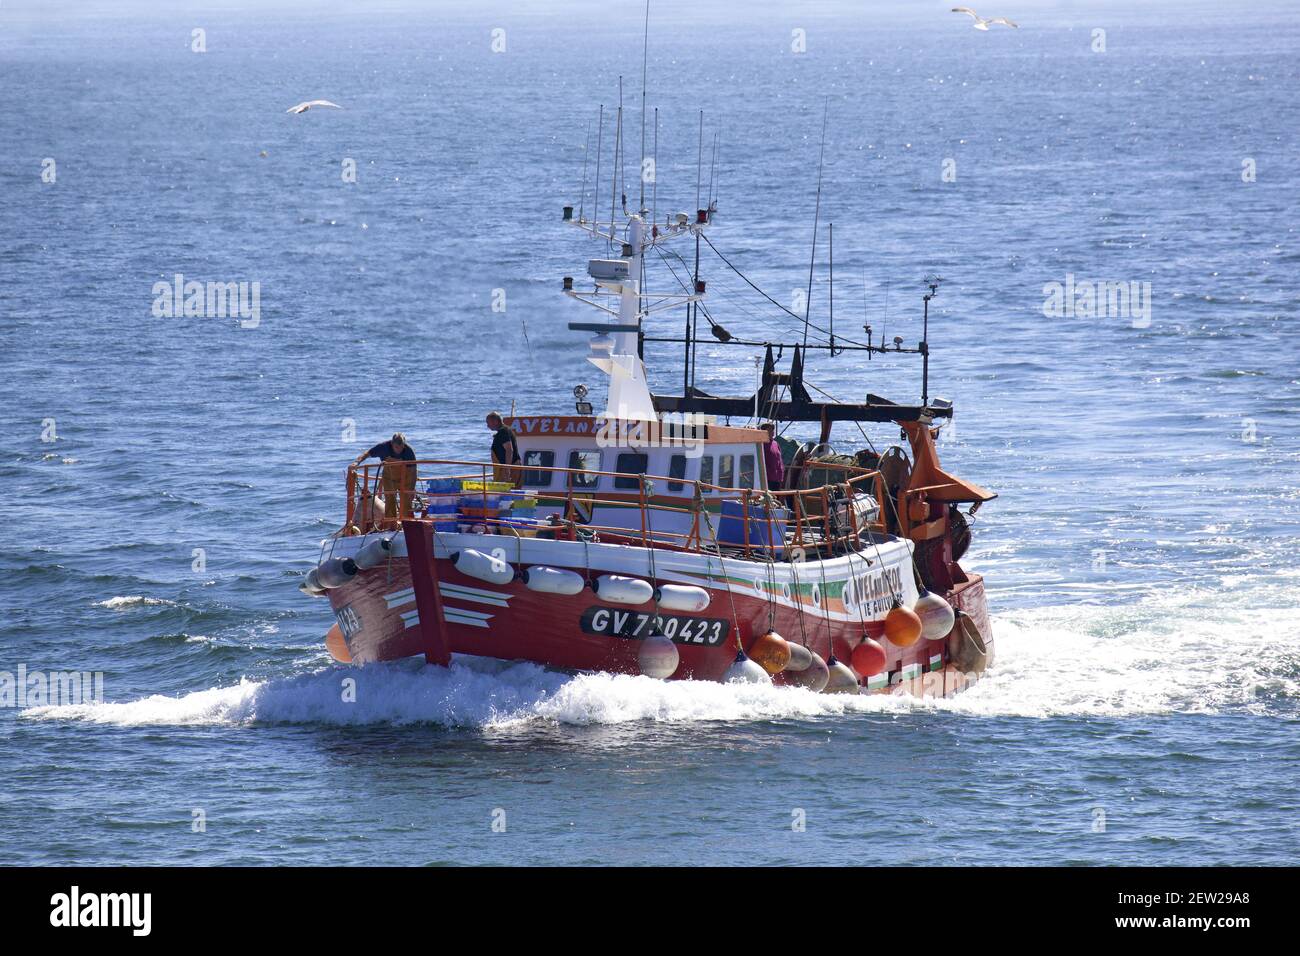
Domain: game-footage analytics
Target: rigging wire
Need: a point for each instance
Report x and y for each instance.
(736, 269)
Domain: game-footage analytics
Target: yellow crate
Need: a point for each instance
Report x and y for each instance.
(491, 487)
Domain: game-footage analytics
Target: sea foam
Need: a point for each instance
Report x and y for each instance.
(1161, 656)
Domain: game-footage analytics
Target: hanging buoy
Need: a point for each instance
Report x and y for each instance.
(621, 590)
(771, 652)
(658, 657)
(813, 677)
(936, 614)
(869, 658)
(745, 671)
(681, 597)
(476, 564)
(336, 572)
(553, 580)
(800, 657)
(311, 584)
(841, 679)
(374, 552)
(902, 626)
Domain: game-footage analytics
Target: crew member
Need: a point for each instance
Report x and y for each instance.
(772, 459)
(398, 476)
(505, 450)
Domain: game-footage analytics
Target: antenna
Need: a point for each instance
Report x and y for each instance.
(699, 163)
(713, 165)
(807, 313)
(600, 139)
(654, 187)
(717, 148)
(866, 326)
(645, 59)
(618, 138)
(586, 155)
(622, 151)
(933, 282)
(831, 288)
(884, 322)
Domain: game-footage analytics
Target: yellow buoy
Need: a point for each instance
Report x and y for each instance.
(902, 626)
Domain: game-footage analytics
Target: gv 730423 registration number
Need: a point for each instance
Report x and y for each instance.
(615, 622)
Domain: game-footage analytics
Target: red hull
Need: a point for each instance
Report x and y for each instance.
(378, 621)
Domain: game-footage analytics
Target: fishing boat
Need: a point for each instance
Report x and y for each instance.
(648, 538)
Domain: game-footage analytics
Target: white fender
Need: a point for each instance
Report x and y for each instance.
(681, 597)
(483, 566)
(553, 580)
(658, 657)
(373, 552)
(936, 614)
(336, 572)
(745, 671)
(842, 680)
(311, 584)
(621, 590)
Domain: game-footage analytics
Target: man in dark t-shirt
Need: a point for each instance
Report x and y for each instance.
(505, 450)
(399, 478)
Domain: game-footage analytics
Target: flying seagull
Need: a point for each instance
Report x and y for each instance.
(304, 107)
(982, 23)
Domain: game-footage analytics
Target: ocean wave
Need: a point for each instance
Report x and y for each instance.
(473, 692)
(1165, 655)
(135, 600)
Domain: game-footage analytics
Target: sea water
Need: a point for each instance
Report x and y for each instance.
(168, 479)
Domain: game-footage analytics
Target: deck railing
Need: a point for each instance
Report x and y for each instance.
(815, 519)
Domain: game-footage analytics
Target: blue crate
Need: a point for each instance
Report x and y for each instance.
(731, 528)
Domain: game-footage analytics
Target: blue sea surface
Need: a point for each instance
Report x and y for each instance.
(168, 480)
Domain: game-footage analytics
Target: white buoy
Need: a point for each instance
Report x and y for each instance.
(621, 590)
(842, 679)
(553, 580)
(813, 677)
(476, 564)
(311, 584)
(936, 614)
(336, 572)
(658, 657)
(745, 671)
(800, 658)
(681, 597)
(374, 552)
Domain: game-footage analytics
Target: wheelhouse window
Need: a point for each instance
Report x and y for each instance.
(677, 469)
(630, 464)
(538, 459)
(747, 471)
(584, 461)
(727, 471)
(706, 473)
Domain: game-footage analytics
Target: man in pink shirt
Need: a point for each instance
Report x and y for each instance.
(772, 459)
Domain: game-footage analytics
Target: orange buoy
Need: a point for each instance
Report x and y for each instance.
(902, 626)
(337, 646)
(869, 658)
(771, 652)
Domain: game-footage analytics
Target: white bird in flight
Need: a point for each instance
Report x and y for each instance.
(982, 23)
(304, 107)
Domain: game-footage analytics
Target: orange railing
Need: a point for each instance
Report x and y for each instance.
(812, 519)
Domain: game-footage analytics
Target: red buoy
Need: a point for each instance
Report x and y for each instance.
(869, 658)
